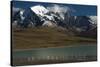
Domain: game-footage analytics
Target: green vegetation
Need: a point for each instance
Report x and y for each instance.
(45, 37)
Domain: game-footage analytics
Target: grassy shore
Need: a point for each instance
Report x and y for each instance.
(45, 37)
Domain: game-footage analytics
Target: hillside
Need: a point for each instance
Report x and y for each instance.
(45, 37)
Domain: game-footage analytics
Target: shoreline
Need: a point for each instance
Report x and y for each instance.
(25, 49)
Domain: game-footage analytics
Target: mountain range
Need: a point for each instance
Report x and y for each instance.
(54, 17)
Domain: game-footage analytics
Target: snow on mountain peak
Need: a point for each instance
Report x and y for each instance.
(93, 19)
(39, 10)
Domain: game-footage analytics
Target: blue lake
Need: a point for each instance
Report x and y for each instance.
(78, 53)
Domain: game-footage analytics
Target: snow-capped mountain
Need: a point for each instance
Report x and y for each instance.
(45, 16)
(39, 10)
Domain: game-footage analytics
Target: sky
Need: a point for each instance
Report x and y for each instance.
(77, 10)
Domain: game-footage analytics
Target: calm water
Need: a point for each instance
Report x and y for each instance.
(86, 52)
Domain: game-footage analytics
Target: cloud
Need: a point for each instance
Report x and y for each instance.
(60, 9)
(15, 9)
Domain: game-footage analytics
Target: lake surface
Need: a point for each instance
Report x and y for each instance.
(87, 52)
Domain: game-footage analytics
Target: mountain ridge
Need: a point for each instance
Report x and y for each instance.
(41, 16)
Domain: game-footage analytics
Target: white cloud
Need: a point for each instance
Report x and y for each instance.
(15, 9)
(60, 9)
